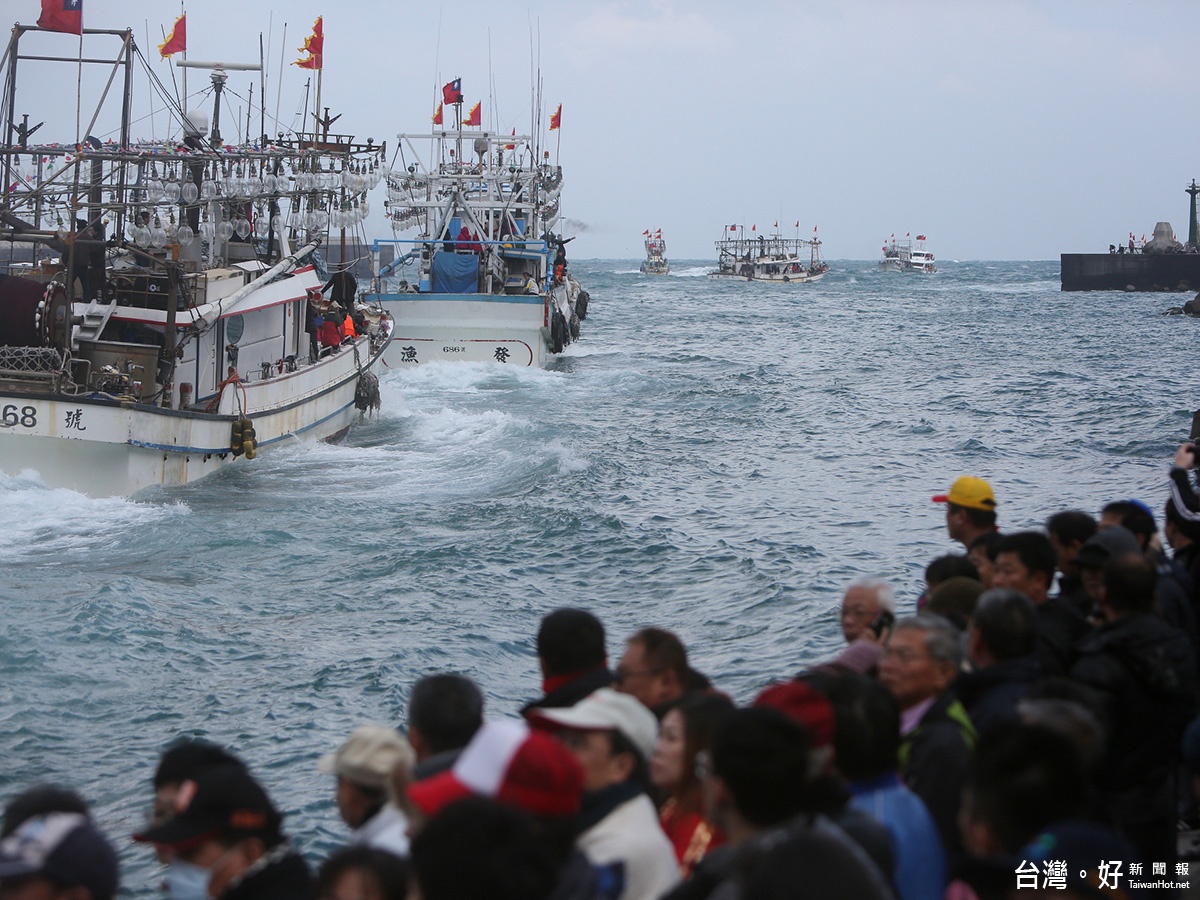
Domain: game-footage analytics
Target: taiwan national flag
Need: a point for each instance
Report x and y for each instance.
(452, 92)
(62, 15)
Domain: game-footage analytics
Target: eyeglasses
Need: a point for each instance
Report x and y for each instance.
(622, 675)
(703, 765)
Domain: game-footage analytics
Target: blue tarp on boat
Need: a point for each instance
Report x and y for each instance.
(455, 273)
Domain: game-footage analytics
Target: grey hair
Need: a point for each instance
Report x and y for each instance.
(884, 594)
(942, 639)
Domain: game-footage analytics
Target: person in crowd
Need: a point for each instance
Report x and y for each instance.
(943, 568)
(40, 800)
(58, 855)
(866, 750)
(508, 762)
(1174, 591)
(970, 509)
(613, 736)
(1026, 562)
(444, 713)
(1143, 670)
(181, 763)
(360, 872)
(825, 791)
(572, 656)
(955, 600)
(982, 552)
(1097, 551)
(227, 842)
(479, 847)
(363, 764)
(754, 781)
(867, 614)
(1002, 647)
(1024, 779)
(918, 667)
(1068, 530)
(686, 732)
(654, 669)
(1183, 536)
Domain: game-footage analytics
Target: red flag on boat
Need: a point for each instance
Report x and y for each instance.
(511, 146)
(475, 117)
(797, 223)
(814, 229)
(754, 228)
(920, 237)
(176, 41)
(646, 233)
(777, 224)
(733, 228)
(62, 15)
(452, 92)
(437, 116)
(658, 233)
(556, 119)
(314, 46)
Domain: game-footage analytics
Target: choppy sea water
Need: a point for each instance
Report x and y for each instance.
(715, 458)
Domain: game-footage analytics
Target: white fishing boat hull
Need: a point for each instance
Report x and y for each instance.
(509, 329)
(103, 447)
(791, 278)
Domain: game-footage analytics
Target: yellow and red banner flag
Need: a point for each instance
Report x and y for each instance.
(556, 119)
(176, 41)
(314, 46)
(437, 116)
(476, 117)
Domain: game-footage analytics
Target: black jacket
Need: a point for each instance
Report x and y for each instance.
(991, 695)
(286, 878)
(1060, 626)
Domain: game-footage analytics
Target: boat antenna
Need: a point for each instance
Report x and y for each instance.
(279, 90)
(262, 90)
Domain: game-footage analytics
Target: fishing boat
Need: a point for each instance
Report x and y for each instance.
(656, 254)
(902, 256)
(162, 322)
(483, 276)
(749, 256)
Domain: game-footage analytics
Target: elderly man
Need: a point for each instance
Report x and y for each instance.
(919, 663)
(970, 509)
(868, 611)
(363, 765)
(613, 737)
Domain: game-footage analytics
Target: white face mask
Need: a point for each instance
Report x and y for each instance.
(186, 881)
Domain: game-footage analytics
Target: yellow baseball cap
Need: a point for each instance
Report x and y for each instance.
(971, 492)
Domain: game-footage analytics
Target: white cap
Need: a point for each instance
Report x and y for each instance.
(609, 710)
(368, 756)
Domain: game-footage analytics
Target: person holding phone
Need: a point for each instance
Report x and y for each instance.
(867, 615)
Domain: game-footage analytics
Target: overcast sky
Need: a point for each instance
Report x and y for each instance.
(1004, 129)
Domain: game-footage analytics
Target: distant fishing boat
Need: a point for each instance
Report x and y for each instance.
(485, 278)
(902, 256)
(655, 262)
(772, 258)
